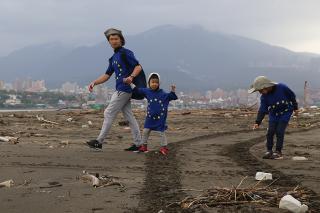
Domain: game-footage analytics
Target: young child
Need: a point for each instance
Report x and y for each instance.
(158, 102)
(279, 102)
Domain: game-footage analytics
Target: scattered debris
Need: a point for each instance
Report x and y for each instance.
(99, 181)
(228, 115)
(91, 178)
(13, 140)
(43, 191)
(69, 119)
(217, 196)
(263, 176)
(123, 123)
(64, 143)
(293, 205)
(51, 185)
(126, 128)
(90, 123)
(186, 113)
(84, 126)
(7, 183)
(298, 158)
(45, 121)
(307, 114)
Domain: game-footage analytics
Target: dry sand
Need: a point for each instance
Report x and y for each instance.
(207, 148)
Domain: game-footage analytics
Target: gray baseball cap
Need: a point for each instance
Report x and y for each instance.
(261, 82)
(112, 31)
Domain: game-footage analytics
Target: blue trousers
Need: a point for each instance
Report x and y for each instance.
(277, 128)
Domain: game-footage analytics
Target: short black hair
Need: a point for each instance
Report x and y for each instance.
(123, 41)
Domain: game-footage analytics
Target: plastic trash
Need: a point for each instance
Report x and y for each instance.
(299, 158)
(89, 177)
(13, 140)
(90, 123)
(7, 183)
(263, 176)
(290, 203)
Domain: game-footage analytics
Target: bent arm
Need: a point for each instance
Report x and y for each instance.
(103, 78)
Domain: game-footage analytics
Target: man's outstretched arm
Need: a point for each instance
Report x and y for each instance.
(103, 78)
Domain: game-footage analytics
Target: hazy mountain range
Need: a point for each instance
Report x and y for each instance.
(192, 58)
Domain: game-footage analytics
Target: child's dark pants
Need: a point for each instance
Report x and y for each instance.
(277, 128)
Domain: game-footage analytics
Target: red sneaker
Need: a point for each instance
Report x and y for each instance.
(164, 150)
(143, 148)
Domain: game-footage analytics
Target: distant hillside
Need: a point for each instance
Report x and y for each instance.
(193, 58)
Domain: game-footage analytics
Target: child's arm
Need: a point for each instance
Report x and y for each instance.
(139, 91)
(263, 110)
(172, 95)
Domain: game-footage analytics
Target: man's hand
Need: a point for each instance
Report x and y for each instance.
(173, 88)
(128, 80)
(90, 87)
(255, 126)
(296, 112)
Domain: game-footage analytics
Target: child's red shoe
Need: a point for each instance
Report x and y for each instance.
(143, 148)
(164, 150)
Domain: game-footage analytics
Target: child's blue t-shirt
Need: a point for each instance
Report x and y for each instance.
(157, 110)
(122, 67)
(279, 103)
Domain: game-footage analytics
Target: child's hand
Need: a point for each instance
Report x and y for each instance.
(173, 88)
(90, 87)
(255, 126)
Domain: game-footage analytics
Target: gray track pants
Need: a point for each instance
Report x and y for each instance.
(120, 101)
(146, 134)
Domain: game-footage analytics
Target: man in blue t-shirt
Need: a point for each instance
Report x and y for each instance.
(125, 68)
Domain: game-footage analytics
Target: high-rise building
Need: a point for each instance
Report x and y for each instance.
(1, 85)
(69, 87)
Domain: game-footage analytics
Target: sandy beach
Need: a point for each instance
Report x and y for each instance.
(208, 148)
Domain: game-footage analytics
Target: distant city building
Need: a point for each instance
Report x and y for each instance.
(36, 86)
(13, 100)
(69, 88)
(29, 85)
(1, 85)
(17, 85)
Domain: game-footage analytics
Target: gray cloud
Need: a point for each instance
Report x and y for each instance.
(289, 23)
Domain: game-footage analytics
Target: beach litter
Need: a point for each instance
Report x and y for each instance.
(13, 140)
(186, 113)
(69, 119)
(8, 183)
(236, 195)
(98, 181)
(299, 158)
(42, 119)
(293, 205)
(263, 176)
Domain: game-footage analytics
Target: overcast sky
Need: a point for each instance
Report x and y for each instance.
(294, 24)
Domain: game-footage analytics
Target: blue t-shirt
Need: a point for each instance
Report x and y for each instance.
(122, 64)
(279, 103)
(157, 110)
